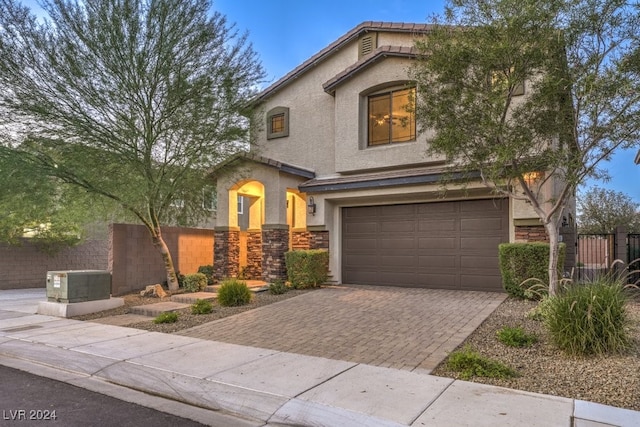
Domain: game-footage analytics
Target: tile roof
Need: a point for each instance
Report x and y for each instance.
(353, 34)
(425, 175)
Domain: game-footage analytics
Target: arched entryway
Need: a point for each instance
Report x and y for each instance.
(248, 216)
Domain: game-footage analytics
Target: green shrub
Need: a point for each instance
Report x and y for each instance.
(278, 287)
(540, 311)
(167, 317)
(525, 266)
(307, 268)
(516, 337)
(202, 306)
(589, 318)
(233, 292)
(207, 270)
(470, 363)
(195, 282)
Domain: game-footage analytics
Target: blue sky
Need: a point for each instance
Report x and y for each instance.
(287, 32)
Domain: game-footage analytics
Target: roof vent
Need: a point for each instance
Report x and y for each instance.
(367, 44)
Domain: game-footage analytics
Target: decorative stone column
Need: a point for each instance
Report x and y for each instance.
(275, 242)
(253, 271)
(226, 252)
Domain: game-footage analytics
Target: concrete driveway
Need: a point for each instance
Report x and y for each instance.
(401, 328)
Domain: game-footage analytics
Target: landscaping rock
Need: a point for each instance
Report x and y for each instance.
(154, 291)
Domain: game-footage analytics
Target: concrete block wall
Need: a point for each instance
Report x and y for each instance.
(25, 266)
(135, 263)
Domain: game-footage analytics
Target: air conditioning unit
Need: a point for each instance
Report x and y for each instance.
(78, 285)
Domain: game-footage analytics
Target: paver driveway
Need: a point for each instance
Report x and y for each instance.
(400, 328)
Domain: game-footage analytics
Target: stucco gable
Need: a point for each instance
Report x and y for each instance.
(380, 53)
(236, 160)
(354, 34)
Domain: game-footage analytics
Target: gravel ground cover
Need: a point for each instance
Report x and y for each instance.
(611, 380)
(185, 318)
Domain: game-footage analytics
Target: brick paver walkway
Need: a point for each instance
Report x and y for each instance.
(399, 328)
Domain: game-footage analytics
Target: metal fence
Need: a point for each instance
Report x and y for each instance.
(633, 257)
(595, 255)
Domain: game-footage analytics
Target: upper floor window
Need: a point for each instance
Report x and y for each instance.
(391, 117)
(277, 122)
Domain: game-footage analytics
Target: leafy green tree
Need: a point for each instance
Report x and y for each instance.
(579, 63)
(50, 214)
(601, 210)
(129, 100)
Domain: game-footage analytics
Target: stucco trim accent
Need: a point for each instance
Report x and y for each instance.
(354, 34)
(382, 180)
(226, 228)
(527, 222)
(275, 227)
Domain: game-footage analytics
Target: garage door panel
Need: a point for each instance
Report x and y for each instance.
(438, 243)
(481, 225)
(437, 261)
(477, 207)
(435, 209)
(397, 211)
(480, 243)
(361, 227)
(361, 244)
(361, 260)
(397, 261)
(437, 225)
(397, 226)
(360, 213)
(454, 245)
(399, 243)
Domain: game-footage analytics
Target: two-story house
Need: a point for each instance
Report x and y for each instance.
(339, 164)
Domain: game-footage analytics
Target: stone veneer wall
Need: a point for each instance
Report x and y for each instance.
(253, 270)
(275, 242)
(531, 233)
(299, 240)
(319, 239)
(226, 250)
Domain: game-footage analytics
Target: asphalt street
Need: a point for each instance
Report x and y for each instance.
(30, 400)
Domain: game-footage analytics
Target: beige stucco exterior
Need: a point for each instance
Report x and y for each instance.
(327, 136)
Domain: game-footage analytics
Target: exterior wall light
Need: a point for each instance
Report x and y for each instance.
(311, 206)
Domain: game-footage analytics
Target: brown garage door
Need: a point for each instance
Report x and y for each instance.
(446, 245)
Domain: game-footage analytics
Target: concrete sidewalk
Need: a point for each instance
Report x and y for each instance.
(228, 384)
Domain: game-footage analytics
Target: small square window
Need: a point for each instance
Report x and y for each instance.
(278, 123)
